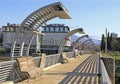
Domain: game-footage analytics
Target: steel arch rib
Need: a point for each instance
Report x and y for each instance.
(79, 30)
(88, 40)
(81, 38)
(37, 18)
(42, 12)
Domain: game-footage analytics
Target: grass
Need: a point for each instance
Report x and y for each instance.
(114, 55)
(1, 49)
(117, 58)
(4, 58)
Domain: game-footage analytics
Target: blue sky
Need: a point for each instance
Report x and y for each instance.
(92, 15)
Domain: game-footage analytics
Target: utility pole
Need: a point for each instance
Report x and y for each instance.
(106, 41)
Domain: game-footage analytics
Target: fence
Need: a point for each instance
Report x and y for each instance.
(9, 69)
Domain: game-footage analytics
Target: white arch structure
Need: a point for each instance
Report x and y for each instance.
(77, 41)
(81, 38)
(87, 46)
(63, 41)
(88, 41)
(31, 24)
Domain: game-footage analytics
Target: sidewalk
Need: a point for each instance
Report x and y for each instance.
(67, 72)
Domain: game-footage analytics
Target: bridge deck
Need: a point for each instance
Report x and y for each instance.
(82, 70)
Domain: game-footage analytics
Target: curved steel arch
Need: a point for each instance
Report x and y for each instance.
(63, 41)
(32, 23)
(78, 30)
(40, 16)
(88, 48)
(88, 41)
(81, 38)
(88, 44)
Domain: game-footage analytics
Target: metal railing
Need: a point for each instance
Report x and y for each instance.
(105, 76)
(9, 70)
(105, 79)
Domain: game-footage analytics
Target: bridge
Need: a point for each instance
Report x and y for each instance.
(84, 67)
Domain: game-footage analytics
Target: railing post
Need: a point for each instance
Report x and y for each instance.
(43, 59)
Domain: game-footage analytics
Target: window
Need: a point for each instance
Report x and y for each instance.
(52, 29)
(43, 29)
(61, 29)
(11, 28)
(47, 29)
(66, 29)
(57, 29)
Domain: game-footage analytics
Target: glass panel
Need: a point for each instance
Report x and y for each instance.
(61, 29)
(43, 29)
(66, 29)
(52, 29)
(47, 29)
(57, 29)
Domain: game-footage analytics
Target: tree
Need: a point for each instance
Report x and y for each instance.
(103, 43)
(114, 44)
(108, 41)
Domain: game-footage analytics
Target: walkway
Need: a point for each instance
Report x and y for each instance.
(82, 70)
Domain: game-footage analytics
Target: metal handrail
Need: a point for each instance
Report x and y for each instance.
(105, 76)
(105, 79)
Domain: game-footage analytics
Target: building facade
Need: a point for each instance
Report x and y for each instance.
(9, 33)
(54, 34)
(114, 35)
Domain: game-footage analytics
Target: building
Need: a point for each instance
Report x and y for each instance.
(9, 33)
(1, 30)
(10, 27)
(114, 35)
(54, 34)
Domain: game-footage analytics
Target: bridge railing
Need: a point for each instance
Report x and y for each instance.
(9, 70)
(105, 79)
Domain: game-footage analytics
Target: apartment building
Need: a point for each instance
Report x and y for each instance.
(54, 34)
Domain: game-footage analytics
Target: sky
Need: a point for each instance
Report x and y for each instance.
(94, 16)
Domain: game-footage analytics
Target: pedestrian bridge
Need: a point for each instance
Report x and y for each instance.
(81, 69)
